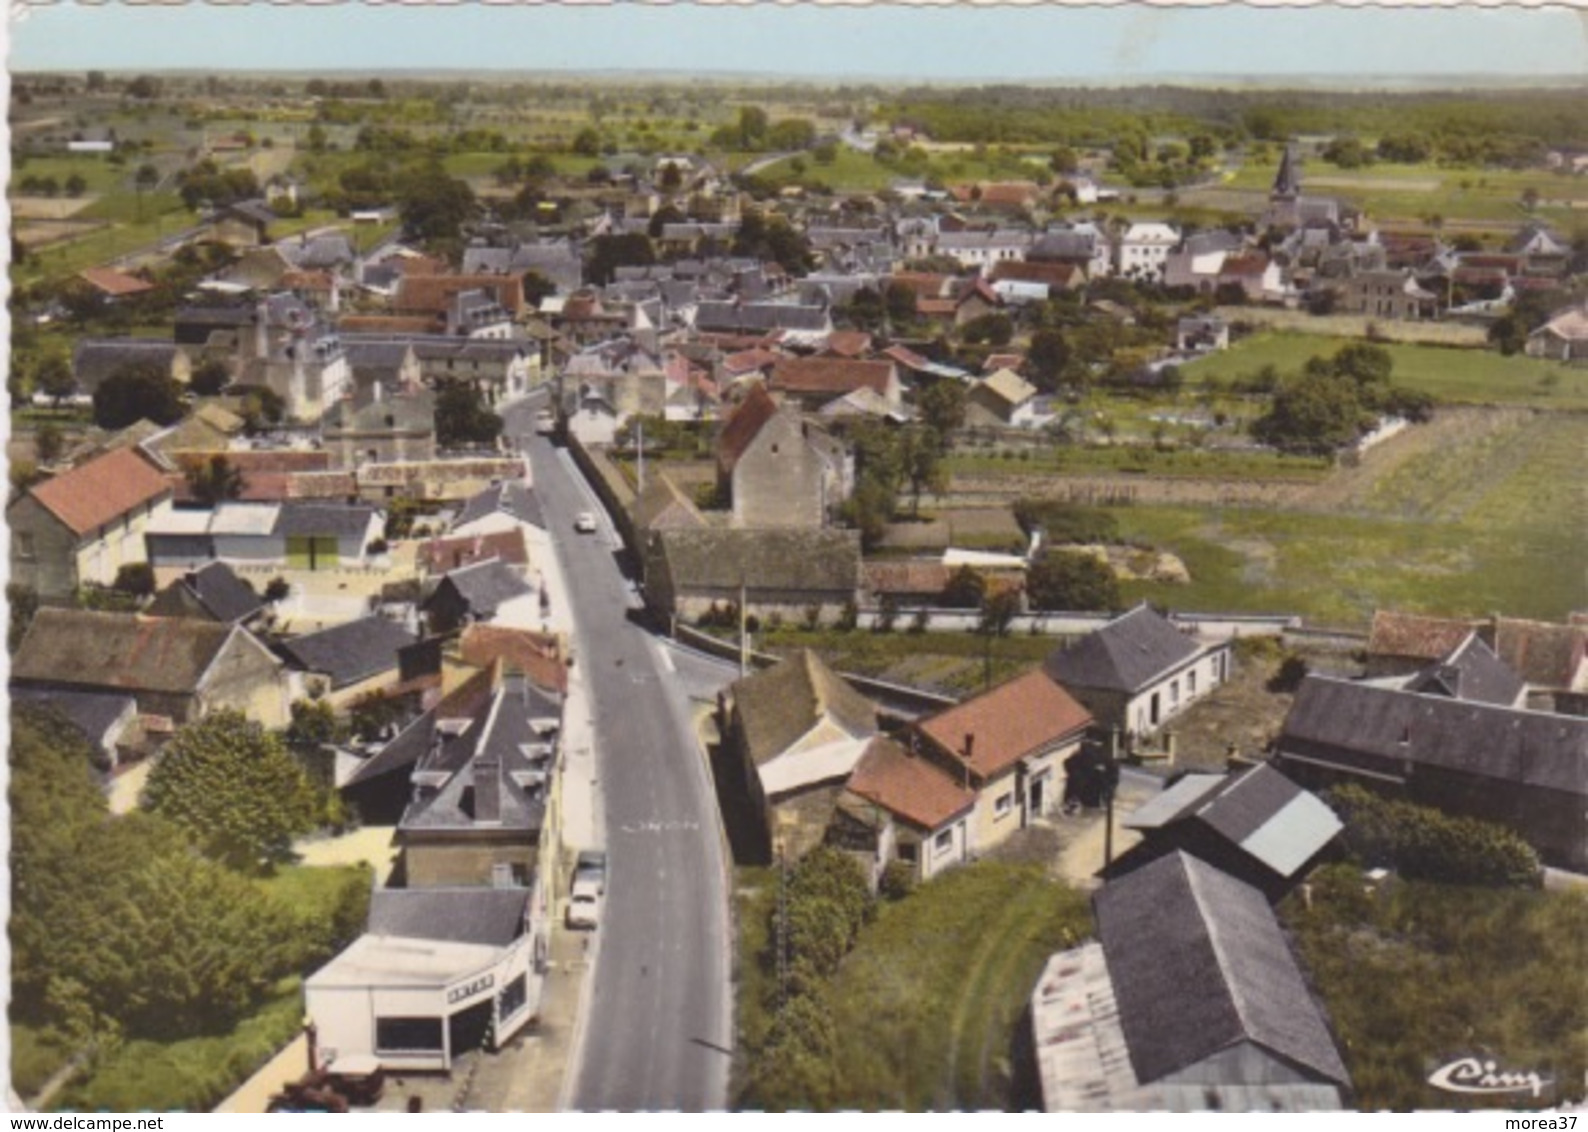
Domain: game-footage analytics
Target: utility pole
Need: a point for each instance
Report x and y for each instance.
(744, 634)
(639, 445)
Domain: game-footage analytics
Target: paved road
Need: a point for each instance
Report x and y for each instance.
(658, 1024)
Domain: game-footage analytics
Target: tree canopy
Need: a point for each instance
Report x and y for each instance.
(462, 416)
(233, 789)
(1071, 580)
(138, 391)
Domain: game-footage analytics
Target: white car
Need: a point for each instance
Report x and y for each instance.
(545, 423)
(584, 903)
(585, 522)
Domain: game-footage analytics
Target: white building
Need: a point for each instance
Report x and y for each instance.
(1144, 249)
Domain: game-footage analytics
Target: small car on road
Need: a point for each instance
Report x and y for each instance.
(585, 522)
(588, 890)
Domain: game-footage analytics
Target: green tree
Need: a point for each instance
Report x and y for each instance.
(210, 377)
(54, 379)
(462, 417)
(900, 303)
(587, 142)
(1047, 358)
(1071, 580)
(993, 329)
(23, 603)
(233, 789)
(48, 443)
(791, 133)
(138, 391)
(605, 254)
(921, 457)
(135, 578)
(215, 480)
(864, 310)
(76, 185)
(434, 206)
(1364, 363)
(752, 128)
(965, 589)
(942, 406)
(537, 289)
(1312, 414)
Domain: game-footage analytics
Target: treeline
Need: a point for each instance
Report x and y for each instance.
(1038, 116)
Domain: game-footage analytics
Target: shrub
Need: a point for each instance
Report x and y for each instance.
(1066, 522)
(277, 589)
(920, 621)
(848, 617)
(1292, 671)
(898, 881)
(1422, 843)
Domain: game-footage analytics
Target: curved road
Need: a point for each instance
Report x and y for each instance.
(658, 1028)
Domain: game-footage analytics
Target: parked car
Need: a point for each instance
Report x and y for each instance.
(585, 522)
(545, 422)
(588, 891)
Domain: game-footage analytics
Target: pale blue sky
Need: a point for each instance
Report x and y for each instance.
(891, 42)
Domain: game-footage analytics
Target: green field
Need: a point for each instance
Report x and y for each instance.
(1173, 463)
(101, 176)
(1457, 193)
(1493, 527)
(1431, 971)
(1458, 376)
(853, 171)
(927, 1006)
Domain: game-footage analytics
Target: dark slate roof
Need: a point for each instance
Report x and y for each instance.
(330, 250)
(426, 733)
(1380, 729)
(1471, 672)
(1260, 810)
(1125, 655)
(485, 586)
(1062, 245)
(822, 561)
(322, 520)
(380, 357)
(95, 359)
(255, 210)
(222, 592)
(758, 317)
(502, 733)
(351, 652)
(492, 916)
(510, 498)
(1199, 964)
(92, 713)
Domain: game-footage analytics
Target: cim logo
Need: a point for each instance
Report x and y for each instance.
(1473, 1075)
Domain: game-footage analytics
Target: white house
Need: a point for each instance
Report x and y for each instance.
(1145, 248)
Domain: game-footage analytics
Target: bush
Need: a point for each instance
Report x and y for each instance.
(277, 589)
(898, 881)
(135, 578)
(1071, 580)
(1422, 843)
(1066, 522)
(1292, 671)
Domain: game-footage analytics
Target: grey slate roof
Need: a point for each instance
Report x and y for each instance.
(1125, 655)
(219, 590)
(330, 250)
(1260, 810)
(1199, 964)
(1470, 672)
(92, 713)
(509, 498)
(503, 734)
(351, 652)
(759, 317)
(485, 586)
(1379, 729)
(322, 520)
(492, 916)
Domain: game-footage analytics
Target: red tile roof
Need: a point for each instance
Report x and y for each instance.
(537, 655)
(1008, 722)
(432, 294)
(743, 425)
(848, 343)
(443, 554)
(836, 376)
(748, 361)
(102, 490)
(389, 324)
(924, 285)
(114, 283)
(882, 576)
(908, 786)
(1408, 635)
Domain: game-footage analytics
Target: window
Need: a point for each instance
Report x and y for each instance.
(512, 999)
(23, 540)
(1191, 683)
(407, 1035)
(1174, 694)
(1004, 805)
(943, 842)
(907, 852)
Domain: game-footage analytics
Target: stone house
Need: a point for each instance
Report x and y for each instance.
(1387, 294)
(1001, 398)
(1007, 746)
(80, 527)
(1563, 338)
(176, 668)
(1524, 769)
(798, 730)
(775, 468)
(897, 806)
(1139, 671)
(400, 429)
(1144, 250)
(789, 572)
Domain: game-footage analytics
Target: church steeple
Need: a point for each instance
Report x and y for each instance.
(1287, 182)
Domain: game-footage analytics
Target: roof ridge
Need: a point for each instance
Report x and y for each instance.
(1213, 932)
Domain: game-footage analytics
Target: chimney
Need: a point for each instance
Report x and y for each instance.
(336, 293)
(970, 751)
(262, 330)
(488, 790)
